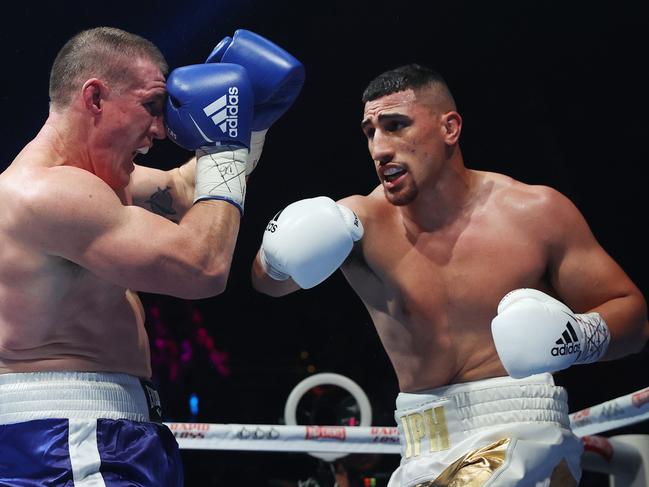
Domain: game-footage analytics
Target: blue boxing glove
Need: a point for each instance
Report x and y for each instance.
(276, 77)
(209, 110)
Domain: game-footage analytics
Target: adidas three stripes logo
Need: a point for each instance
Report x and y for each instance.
(224, 112)
(568, 343)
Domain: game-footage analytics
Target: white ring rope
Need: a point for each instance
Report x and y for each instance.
(272, 437)
(625, 410)
(616, 413)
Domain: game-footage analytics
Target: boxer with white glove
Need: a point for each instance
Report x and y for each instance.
(309, 240)
(209, 110)
(276, 76)
(536, 333)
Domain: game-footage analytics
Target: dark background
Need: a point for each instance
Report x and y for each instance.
(551, 93)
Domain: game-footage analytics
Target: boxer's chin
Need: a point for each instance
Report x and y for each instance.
(402, 196)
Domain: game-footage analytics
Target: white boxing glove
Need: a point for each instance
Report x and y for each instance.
(309, 240)
(535, 333)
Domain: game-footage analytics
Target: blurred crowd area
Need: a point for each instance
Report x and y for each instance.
(197, 372)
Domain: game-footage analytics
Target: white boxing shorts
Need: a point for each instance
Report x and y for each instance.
(83, 429)
(496, 432)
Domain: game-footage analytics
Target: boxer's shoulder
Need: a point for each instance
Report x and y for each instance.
(368, 207)
(526, 206)
(518, 197)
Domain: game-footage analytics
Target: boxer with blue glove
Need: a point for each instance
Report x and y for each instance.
(96, 229)
(271, 81)
(209, 110)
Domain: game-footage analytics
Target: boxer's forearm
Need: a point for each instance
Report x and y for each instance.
(627, 320)
(166, 193)
(265, 284)
(531, 323)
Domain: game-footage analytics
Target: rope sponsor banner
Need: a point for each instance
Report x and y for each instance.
(616, 413)
(622, 411)
(295, 438)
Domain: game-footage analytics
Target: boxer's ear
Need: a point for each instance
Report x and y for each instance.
(93, 93)
(452, 127)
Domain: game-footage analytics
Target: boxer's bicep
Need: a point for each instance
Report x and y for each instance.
(588, 279)
(577, 260)
(87, 224)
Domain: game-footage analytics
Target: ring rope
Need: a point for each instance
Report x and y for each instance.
(297, 438)
(622, 411)
(616, 413)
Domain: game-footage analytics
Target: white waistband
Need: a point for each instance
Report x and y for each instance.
(412, 399)
(491, 402)
(79, 395)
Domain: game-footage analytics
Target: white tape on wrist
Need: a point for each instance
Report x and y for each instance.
(221, 174)
(596, 337)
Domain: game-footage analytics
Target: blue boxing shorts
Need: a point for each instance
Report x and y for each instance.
(83, 429)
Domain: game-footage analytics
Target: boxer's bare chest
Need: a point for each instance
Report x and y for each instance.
(457, 273)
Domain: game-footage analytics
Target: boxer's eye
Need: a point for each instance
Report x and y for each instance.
(154, 108)
(394, 125)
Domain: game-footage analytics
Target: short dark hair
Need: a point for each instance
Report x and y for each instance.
(102, 52)
(413, 76)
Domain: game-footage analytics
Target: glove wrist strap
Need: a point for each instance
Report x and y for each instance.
(269, 269)
(597, 337)
(354, 225)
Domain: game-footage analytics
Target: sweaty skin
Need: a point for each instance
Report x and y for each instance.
(432, 294)
(55, 314)
(75, 244)
(443, 244)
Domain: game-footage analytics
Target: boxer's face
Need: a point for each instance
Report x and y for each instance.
(405, 141)
(132, 120)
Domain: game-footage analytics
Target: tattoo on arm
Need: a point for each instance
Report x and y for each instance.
(161, 203)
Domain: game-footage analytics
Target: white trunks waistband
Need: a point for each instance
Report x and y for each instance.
(79, 395)
(445, 416)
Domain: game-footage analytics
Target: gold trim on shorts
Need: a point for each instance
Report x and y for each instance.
(561, 476)
(476, 467)
(473, 469)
